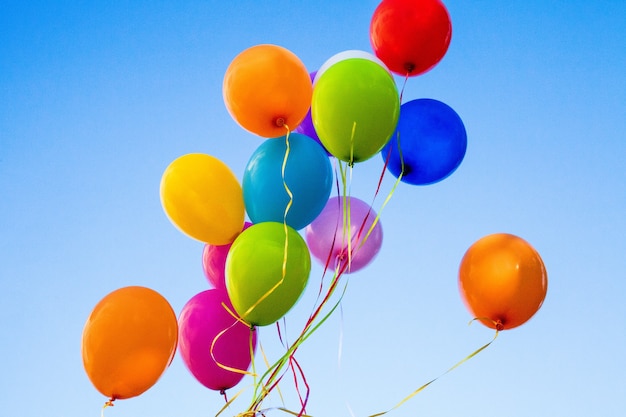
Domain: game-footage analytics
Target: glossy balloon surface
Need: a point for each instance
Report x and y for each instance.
(287, 175)
(266, 87)
(502, 280)
(267, 270)
(203, 198)
(410, 36)
(429, 143)
(128, 341)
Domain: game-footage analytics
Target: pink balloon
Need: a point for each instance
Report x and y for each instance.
(328, 236)
(214, 262)
(212, 340)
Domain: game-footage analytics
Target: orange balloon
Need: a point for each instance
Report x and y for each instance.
(267, 87)
(502, 281)
(129, 340)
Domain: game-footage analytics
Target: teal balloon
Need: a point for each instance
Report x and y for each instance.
(267, 269)
(355, 108)
(308, 176)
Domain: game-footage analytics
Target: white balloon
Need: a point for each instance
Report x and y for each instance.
(350, 54)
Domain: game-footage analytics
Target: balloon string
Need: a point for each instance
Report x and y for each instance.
(264, 411)
(420, 389)
(285, 226)
(272, 374)
(391, 192)
(290, 194)
(218, 363)
(293, 364)
(330, 252)
(348, 234)
(109, 403)
(229, 402)
(406, 78)
(271, 378)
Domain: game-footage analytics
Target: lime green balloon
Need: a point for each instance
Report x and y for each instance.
(260, 290)
(355, 108)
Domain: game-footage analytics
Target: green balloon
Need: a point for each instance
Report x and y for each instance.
(259, 290)
(355, 108)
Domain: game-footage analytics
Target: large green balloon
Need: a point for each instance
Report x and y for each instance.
(355, 108)
(260, 291)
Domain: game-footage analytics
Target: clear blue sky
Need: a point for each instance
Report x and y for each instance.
(97, 98)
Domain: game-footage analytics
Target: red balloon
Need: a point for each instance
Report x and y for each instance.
(410, 36)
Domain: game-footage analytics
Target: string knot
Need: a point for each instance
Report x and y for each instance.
(280, 121)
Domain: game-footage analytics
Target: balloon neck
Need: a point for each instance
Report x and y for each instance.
(498, 325)
(279, 121)
(109, 403)
(409, 67)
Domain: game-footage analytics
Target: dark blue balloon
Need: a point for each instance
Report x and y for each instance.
(432, 142)
(308, 175)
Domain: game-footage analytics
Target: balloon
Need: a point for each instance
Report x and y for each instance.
(410, 36)
(267, 87)
(128, 341)
(432, 142)
(355, 108)
(307, 174)
(214, 345)
(202, 197)
(341, 56)
(214, 262)
(306, 126)
(502, 281)
(260, 290)
(327, 235)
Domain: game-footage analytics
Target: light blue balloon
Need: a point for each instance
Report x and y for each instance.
(308, 176)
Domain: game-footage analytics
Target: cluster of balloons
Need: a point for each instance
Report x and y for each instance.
(260, 235)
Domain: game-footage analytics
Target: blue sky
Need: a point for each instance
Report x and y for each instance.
(97, 98)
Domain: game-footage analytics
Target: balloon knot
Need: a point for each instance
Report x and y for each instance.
(280, 122)
(499, 325)
(409, 67)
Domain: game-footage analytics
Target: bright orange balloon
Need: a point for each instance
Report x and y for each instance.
(203, 198)
(129, 340)
(265, 88)
(502, 281)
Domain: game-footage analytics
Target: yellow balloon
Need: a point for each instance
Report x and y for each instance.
(203, 198)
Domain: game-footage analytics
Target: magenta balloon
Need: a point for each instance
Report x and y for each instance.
(327, 235)
(204, 322)
(214, 262)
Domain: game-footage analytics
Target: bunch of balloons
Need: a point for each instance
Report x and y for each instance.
(261, 234)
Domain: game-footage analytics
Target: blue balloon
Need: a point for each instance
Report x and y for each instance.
(432, 142)
(308, 176)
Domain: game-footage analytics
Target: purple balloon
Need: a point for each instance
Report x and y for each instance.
(306, 126)
(210, 340)
(328, 236)
(214, 262)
